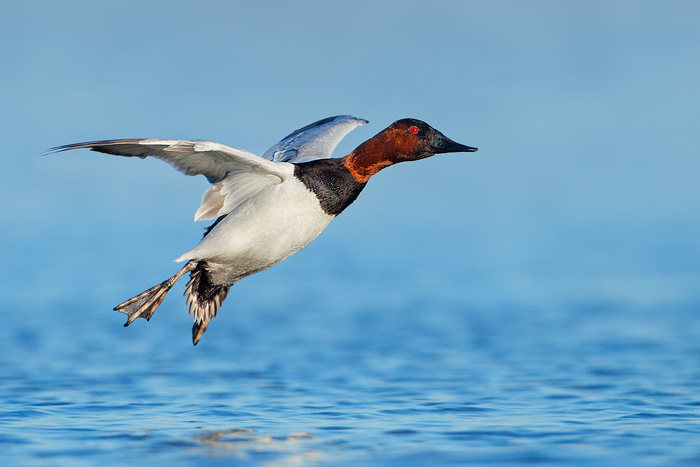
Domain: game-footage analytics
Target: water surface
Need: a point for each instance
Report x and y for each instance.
(307, 366)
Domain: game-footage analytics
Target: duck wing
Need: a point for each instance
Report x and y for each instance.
(236, 175)
(314, 141)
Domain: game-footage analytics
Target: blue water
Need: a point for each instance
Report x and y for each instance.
(342, 357)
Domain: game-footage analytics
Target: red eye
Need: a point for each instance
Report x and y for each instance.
(414, 129)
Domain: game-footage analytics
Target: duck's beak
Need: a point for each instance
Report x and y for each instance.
(442, 143)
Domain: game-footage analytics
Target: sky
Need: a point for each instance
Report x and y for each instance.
(585, 115)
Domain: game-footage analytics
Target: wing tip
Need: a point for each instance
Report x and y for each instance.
(325, 121)
(93, 145)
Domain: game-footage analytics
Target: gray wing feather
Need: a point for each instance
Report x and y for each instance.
(213, 160)
(314, 141)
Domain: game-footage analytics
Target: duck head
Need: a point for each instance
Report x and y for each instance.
(405, 140)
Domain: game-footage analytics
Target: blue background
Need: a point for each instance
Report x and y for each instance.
(574, 229)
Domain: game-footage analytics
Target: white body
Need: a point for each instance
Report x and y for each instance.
(262, 231)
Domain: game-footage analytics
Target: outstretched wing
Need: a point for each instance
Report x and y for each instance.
(236, 174)
(314, 141)
(213, 160)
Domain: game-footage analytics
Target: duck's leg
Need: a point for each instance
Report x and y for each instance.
(204, 298)
(145, 304)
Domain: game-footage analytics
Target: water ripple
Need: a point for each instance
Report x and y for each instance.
(289, 399)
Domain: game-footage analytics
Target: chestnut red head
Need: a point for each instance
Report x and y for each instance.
(418, 140)
(408, 139)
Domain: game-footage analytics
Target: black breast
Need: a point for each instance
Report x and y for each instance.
(331, 182)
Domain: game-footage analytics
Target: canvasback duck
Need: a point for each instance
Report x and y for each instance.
(268, 207)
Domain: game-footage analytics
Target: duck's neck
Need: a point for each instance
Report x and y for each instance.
(367, 159)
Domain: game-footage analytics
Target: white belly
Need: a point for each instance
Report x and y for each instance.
(261, 232)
